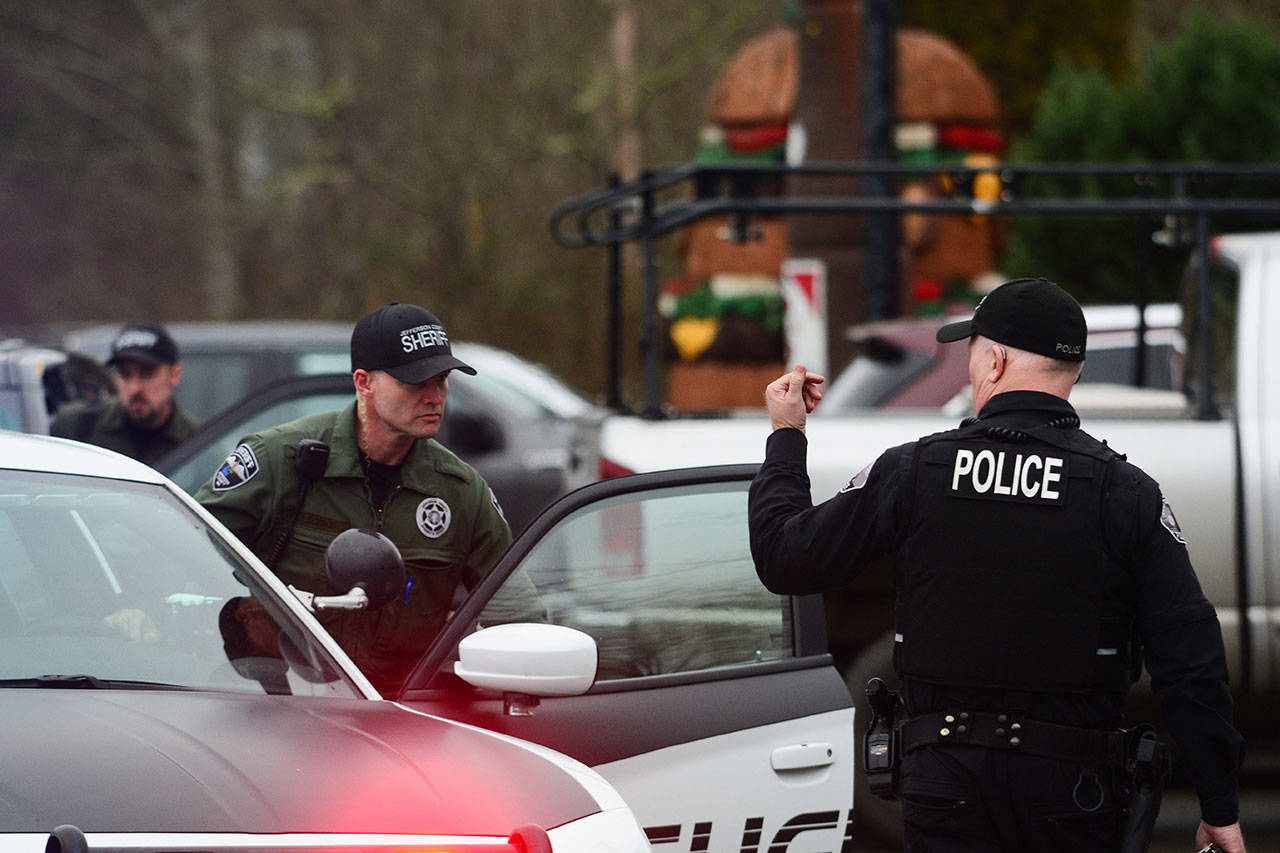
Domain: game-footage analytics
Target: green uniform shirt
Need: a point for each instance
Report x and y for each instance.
(106, 424)
(443, 518)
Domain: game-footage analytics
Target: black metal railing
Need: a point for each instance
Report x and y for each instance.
(1189, 198)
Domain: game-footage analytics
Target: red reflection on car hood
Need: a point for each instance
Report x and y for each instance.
(158, 761)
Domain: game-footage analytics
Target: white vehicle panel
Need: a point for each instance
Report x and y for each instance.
(1194, 463)
(805, 809)
(1258, 416)
(612, 831)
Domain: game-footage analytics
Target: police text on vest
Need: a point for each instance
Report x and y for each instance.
(1009, 475)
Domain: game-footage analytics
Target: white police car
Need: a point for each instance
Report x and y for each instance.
(161, 691)
(200, 697)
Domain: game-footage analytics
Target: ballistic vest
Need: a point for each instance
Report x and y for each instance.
(1003, 579)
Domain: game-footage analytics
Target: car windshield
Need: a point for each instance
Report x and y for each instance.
(109, 583)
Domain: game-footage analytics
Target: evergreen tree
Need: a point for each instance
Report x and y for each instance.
(1212, 94)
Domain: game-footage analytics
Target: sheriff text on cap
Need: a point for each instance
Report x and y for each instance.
(406, 341)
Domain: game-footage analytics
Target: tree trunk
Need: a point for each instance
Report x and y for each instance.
(218, 267)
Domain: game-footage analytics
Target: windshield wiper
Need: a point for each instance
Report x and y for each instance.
(88, 682)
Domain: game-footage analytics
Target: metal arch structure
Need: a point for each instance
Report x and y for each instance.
(1186, 196)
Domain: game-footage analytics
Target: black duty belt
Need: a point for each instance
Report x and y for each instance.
(1012, 733)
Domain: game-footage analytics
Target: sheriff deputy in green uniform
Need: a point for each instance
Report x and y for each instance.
(384, 471)
(144, 421)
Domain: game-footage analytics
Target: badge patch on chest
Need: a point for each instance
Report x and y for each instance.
(433, 517)
(1004, 475)
(236, 470)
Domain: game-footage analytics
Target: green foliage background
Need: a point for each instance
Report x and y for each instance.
(1210, 94)
(1017, 45)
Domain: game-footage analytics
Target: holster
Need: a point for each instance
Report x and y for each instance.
(881, 752)
(1148, 768)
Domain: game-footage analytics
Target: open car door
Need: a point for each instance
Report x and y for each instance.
(715, 709)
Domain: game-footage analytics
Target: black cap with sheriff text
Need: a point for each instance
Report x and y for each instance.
(406, 341)
(145, 343)
(1032, 314)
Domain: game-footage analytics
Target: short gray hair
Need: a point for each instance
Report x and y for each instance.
(1046, 364)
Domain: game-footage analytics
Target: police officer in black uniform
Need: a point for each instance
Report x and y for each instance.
(1030, 562)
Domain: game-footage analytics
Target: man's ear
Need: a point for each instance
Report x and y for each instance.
(363, 382)
(999, 361)
(175, 374)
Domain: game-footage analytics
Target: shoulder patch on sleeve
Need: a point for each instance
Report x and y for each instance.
(858, 480)
(240, 466)
(1168, 521)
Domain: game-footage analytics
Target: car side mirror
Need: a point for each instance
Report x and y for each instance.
(524, 661)
(365, 563)
(471, 433)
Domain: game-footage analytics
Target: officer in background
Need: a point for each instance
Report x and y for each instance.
(1027, 556)
(383, 470)
(144, 420)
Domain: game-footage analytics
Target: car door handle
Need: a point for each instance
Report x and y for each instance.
(802, 756)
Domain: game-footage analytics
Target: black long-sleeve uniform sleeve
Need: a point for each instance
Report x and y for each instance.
(799, 548)
(1182, 642)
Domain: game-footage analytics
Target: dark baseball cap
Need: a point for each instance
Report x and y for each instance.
(1032, 314)
(144, 342)
(406, 341)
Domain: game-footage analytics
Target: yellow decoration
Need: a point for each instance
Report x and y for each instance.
(987, 187)
(692, 335)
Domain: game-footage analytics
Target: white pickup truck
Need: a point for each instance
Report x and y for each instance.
(1221, 474)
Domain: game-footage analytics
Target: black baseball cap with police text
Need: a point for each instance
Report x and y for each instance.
(1032, 314)
(143, 342)
(406, 341)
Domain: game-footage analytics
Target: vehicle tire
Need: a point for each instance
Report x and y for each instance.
(876, 819)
